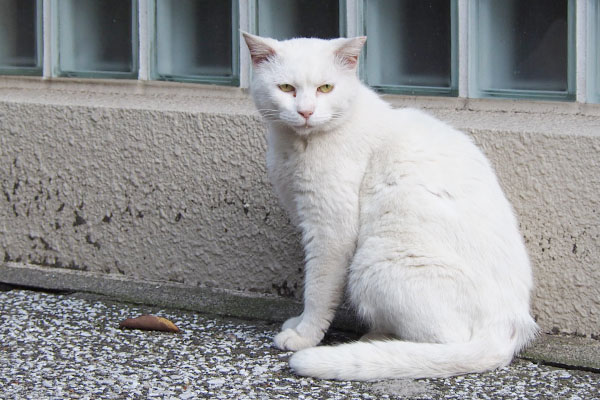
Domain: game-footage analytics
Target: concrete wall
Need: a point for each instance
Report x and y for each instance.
(167, 183)
(159, 195)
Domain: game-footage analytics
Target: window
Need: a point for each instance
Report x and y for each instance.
(594, 52)
(197, 41)
(523, 49)
(285, 19)
(20, 37)
(97, 38)
(412, 46)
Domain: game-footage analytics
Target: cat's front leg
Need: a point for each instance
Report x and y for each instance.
(325, 279)
(292, 322)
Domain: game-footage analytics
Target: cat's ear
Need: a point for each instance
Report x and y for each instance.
(261, 49)
(349, 50)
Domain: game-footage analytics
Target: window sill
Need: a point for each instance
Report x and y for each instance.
(127, 94)
(474, 115)
(509, 115)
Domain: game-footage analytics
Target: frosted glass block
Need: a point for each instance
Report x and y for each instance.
(594, 53)
(97, 38)
(410, 45)
(286, 19)
(20, 37)
(523, 48)
(195, 40)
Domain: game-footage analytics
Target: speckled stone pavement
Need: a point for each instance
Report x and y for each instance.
(58, 346)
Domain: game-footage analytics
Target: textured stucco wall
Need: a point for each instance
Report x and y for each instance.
(172, 196)
(554, 185)
(160, 186)
(549, 166)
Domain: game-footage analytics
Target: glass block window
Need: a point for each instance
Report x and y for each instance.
(411, 46)
(594, 52)
(508, 48)
(286, 19)
(20, 37)
(523, 48)
(97, 38)
(197, 40)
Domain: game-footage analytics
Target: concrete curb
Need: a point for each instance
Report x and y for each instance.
(164, 294)
(567, 352)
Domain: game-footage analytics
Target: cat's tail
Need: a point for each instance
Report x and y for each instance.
(397, 359)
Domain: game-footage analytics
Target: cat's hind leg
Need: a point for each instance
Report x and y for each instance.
(409, 299)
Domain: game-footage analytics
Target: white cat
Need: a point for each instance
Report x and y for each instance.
(398, 207)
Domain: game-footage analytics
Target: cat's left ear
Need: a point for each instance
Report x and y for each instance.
(349, 51)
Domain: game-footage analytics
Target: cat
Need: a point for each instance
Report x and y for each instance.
(398, 210)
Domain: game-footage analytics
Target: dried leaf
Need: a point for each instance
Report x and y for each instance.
(149, 323)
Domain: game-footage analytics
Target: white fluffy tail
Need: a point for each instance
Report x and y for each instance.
(398, 359)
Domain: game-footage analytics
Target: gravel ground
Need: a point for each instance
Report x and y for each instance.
(56, 346)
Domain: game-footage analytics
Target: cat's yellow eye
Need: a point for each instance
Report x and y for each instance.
(326, 88)
(286, 88)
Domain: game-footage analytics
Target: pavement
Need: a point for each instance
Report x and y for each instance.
(67, 345)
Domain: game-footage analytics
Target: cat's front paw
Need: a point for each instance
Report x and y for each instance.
(290, 339)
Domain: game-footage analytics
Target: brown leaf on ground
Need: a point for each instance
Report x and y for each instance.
(149, 323)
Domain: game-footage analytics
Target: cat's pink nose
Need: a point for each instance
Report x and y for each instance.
(306, 114)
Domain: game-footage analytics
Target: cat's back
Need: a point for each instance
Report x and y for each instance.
(418, 131)
(418, 145)
(429, 171)
(427, 182)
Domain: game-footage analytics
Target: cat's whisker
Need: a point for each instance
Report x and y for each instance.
(269, 115)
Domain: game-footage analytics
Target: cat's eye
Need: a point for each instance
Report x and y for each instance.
(326, 88)
(286, 88)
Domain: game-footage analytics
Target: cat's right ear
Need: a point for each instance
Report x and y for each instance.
(349, 52)
(261, 49)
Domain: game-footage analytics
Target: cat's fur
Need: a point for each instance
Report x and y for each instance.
(399, 207)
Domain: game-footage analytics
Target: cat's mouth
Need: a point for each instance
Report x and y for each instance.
(304, 128)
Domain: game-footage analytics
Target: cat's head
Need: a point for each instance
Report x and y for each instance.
(306, 84)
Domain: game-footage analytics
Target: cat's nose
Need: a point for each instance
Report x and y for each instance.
(306, 114)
